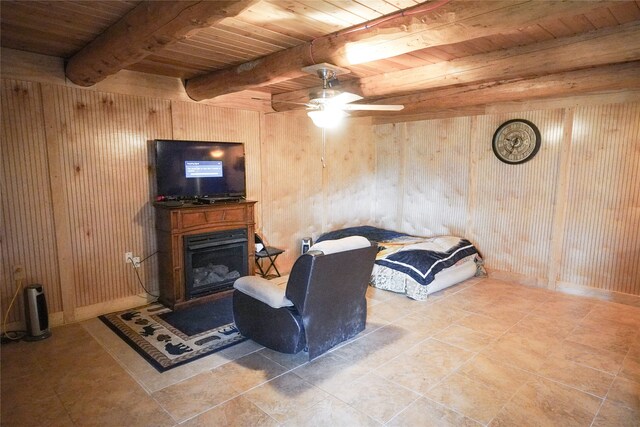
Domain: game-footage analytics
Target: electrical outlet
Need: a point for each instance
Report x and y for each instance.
(127, 257)
(18, 273)
(136, 262)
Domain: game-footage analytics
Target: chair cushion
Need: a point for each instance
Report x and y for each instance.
(340, 245)
(263, 290)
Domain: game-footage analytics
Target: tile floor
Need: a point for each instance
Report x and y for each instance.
(483, 352)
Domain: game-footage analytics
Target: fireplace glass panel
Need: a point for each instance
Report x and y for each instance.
(213, 261)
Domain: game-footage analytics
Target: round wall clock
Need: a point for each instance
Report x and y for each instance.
(516, 141)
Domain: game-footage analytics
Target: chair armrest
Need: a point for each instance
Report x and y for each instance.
(263, 290)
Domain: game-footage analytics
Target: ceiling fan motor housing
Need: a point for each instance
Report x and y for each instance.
(323, 95)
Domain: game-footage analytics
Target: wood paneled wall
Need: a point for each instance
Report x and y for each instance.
(602, 233)
(77, 185)
(303, 198)
(77, 170)
(100, 144)
(77, 166)
(199, 122)
(513, 213)
(568, 218)
(28, 235)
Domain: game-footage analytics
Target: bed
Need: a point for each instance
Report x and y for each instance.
(413, 265)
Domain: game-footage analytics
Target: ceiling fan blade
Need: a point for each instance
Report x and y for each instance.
(291, 102)
(343, 98)
(372, 107)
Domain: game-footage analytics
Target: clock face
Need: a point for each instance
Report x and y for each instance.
(516, 141)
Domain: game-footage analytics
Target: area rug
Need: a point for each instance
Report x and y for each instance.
(168, 339)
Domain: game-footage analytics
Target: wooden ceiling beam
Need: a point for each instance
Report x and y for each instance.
(452, 22)
(601, 47)
(623, 76)
(149, 27)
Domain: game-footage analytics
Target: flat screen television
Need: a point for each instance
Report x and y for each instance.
(199, 169)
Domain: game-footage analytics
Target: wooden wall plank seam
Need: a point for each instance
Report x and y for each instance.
(402, 173)
(61, 216)
(26, 236)
(561, 204)
(472, 192)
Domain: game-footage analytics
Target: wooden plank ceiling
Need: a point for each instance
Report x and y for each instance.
(449, 53)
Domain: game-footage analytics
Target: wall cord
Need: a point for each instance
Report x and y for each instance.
(138, 275)
(19, 334)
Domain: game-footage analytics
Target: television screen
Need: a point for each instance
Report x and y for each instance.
(192, 169)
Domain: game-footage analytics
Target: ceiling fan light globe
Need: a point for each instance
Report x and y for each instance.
(327, 119)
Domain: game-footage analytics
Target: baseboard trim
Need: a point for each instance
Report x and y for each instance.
(601, 294)
(95, 310)
(566, 287)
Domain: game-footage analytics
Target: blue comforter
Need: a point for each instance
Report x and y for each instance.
(412, 259)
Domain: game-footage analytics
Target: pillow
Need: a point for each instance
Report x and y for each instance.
(340, 245)
(263, 290)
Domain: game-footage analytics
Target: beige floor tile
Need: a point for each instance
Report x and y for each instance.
(631, 364)
(486, 325)
(569, 344)
(239, 350)
(92, 354)
(465, 338)
(565, 307)
(467, 300)
(373, 324)
(114, 403)
(35, 412)
(286, 397)
(139, 368)
(389, 311)
(557, 328)
(289, 361)
(425, 412)
(601, 339)
(495, 374)
(420, 328)
(626, 393)
(501, 314)
(615, 415)
(601, 360)
(330, 372)
(541, 335)
(439, 312)
(617, 327)
(380, 294)
(233, 413)
(471, 398)
(195, 395)
(512, 301)
(249, 371)
(20, 359)
(425, 365)
(17, 390)
(376, 397)
(331, 412)
(581, 377)
(618, 313)
(378, 347)
(532, 293)
(542, 402)
(519, 350)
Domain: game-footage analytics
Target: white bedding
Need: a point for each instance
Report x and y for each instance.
(416, 266)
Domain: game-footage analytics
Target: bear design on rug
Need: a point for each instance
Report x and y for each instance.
(163, 337)
(177, 349)
(130, 315)
(149, 330)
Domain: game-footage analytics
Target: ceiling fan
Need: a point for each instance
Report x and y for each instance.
(328, 105)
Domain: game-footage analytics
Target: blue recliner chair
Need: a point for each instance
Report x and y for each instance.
(322, 305)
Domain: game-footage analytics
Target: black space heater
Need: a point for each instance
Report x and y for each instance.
(36, 314)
